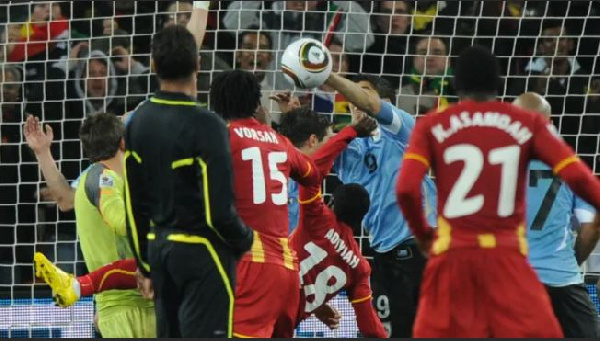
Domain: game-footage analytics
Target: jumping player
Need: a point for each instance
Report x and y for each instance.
(330, 258)
(263, 161)
(478, 282)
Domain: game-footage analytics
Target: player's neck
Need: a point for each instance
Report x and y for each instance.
(479, 98)
(115, 164)
(185, 87)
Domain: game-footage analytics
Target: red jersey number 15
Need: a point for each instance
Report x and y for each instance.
(259, 183)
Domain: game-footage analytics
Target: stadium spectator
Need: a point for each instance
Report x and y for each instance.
(255, 54)
(429, 81)
(290, 20)
(393, 20)
(178, 12)
(556, 74)
(39, 34)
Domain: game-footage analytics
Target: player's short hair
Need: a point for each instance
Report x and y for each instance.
(235, 94)
(384, 88)
(477, 73)
(101, 136)
(350, 204)
(175, 53)
(299, 124)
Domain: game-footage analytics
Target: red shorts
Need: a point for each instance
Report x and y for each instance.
(266, 295)
(475, 293)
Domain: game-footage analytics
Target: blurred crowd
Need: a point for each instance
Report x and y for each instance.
(62, 61)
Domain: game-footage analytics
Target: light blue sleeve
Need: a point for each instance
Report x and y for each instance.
(396, 121)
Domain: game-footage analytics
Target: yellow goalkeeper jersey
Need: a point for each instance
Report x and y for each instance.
(100, 215)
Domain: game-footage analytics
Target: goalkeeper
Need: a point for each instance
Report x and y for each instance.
(100, 217)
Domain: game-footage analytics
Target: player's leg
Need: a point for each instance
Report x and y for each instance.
(68, 290)
(287, 322)
(265, 292)
(449, 303)
(62, 284)
(517, 304)
(575, 311)
(204, 275)
(166, 295)
(397, 279)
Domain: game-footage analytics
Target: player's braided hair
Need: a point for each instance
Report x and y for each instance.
(235, 94)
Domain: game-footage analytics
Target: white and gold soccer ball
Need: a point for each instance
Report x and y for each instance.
(306, 63)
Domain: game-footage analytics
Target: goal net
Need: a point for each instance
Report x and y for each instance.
(62, 61)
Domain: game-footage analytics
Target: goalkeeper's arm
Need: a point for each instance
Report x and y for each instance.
(40, 142)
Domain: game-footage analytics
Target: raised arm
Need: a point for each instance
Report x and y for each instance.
(363, 99)
(40, 142)
(326, 155)
(199, 20)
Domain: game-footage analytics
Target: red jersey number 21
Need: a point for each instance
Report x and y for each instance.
(259, 182)
(458, 205)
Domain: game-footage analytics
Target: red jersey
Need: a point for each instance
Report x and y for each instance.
(330, 258)
(263, 161)
(480, 154)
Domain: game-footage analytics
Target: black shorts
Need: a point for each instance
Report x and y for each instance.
(575, 311)
(395, 281)
(193, 282)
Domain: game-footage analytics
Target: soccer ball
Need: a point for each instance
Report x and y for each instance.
(306, 63)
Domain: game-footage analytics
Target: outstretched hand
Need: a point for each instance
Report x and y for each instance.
(38, 140)
(365, 127)
(286, 101)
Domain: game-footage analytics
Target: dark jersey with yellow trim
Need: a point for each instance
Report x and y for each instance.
(178, 174)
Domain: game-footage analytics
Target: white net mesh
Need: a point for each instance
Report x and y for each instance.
(65, 60)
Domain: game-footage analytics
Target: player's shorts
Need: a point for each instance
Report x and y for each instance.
(477, 293)
(575, 311)
(265, 295)
(395, 280)
(127, 322)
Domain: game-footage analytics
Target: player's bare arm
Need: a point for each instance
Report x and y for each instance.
(198, 21)
(587, 240)
(40, 141)
(363, 99)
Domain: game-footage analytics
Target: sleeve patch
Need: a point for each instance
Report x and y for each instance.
(106, 181)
